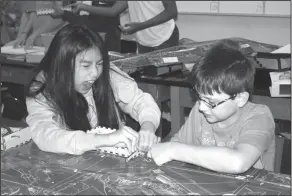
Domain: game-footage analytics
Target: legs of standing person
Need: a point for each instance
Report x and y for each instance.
(5, 38)
(113, 39)
(144, 49)
(112, 32)
(160, 93)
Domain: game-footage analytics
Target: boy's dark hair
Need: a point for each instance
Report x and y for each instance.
(224, 69)
(58, 67)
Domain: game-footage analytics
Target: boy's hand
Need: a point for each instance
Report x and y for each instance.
(131, 28)
(161, 153)
(125, 135)
(147, 137)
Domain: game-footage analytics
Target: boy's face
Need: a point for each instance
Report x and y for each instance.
(88, 67)
(226, 107)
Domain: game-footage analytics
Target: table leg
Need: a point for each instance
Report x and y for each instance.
(159, 93)
(176, 111)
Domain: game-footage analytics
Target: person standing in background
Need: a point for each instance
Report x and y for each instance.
(152, 22)
(98, 23)
(33, 26)
(10, 14)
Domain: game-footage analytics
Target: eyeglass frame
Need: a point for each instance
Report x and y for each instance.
(212, 106)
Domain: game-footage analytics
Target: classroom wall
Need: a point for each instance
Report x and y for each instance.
(201, 27)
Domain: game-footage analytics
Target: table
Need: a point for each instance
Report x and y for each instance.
(16, 71)
(21, 73)
(29, 171)
(277, 56)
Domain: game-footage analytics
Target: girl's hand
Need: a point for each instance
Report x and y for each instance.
(125, 135)
(147, 137)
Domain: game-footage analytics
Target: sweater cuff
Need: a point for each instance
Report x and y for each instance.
(150, 118)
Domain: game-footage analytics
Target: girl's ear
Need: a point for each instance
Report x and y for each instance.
(242, 98)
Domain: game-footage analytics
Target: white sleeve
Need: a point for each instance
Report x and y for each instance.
(49, 135)
(139, 105)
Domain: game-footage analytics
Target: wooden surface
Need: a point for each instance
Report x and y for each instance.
(27, 170)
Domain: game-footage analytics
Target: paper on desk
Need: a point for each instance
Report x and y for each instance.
(284, 49)
(278, 83)
(21, 50)
(189, 66)
(275, 78)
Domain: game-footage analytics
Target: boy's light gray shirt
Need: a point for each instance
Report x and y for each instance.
(255, 127)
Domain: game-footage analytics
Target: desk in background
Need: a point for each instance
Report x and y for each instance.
(16, 71)
(21, 73)
(29, 171)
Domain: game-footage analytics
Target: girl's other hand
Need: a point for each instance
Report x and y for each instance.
(127, 136)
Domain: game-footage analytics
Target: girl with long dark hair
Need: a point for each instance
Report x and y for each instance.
(76, 89)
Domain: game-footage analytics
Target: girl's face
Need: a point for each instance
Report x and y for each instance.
(88, 67)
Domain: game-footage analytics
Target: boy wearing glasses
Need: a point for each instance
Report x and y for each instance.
(225, 132)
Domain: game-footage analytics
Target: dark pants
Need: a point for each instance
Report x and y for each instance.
(172, 41)
(111, 30)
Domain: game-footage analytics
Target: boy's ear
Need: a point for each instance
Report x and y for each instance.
(242, 98)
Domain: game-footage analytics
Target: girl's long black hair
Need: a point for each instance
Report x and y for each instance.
(58, 67)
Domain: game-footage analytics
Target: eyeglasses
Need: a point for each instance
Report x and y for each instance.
(212, 106)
